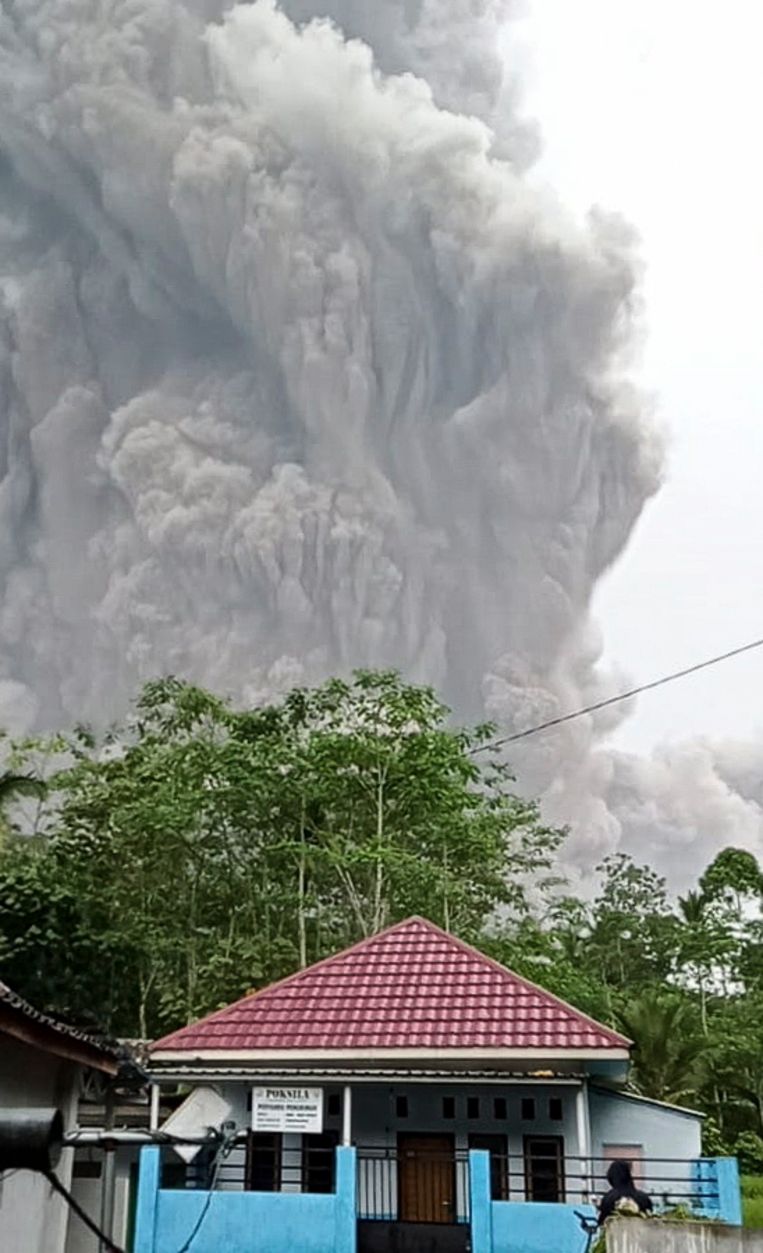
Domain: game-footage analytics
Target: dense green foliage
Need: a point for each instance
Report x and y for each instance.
(752, 1200)
(199, 851)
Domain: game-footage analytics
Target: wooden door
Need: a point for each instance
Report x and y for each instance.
(426, 1167)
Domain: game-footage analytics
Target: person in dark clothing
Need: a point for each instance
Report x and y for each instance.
(623, 1194)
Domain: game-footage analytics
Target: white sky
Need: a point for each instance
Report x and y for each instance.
(656, 109)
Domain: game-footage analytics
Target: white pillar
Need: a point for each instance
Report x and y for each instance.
(584, 1138)
(154, 1115)
(347, 1116)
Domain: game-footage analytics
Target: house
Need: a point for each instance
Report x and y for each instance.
(45, 1064)
(409, 1094)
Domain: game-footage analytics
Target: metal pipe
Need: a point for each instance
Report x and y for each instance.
(108, 1177)
(98, 1138)
(347, 1116)
(154, 1115)
(584, 1140)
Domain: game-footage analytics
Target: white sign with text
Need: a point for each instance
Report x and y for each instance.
(287, 1109)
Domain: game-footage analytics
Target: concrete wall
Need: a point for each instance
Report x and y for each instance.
(33, 1219)
(632, 1236)
(245, 1222)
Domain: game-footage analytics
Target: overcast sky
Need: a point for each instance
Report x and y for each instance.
(656, 109)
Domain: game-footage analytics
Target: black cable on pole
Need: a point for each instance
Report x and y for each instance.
(55, 1182)
(614, 700)
(223, 1150)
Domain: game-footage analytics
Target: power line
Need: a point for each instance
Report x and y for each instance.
(223, 1150)
(614, 700)
(55, 1182)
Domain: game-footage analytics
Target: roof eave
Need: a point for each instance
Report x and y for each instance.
(48, 1040)
(378, 1057)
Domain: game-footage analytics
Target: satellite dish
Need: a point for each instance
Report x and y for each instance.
(201, 1110)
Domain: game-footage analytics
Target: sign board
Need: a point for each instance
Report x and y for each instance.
(287, 1109)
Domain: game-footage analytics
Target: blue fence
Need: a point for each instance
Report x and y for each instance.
(520, 1226)
(534, 1227)
(716, 1185)
(240, 1222)
(282, 1222)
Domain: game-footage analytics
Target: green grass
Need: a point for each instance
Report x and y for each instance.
(752, 1200)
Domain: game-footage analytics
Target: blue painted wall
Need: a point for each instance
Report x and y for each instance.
(532, 1227)
(519, 1226)
(245, 1222)
(717, 1191)
(242, 1222)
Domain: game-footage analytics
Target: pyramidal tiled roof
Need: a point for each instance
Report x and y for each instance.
(411, 987)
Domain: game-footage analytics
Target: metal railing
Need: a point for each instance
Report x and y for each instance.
(412, 1184)
(561, 1178)
(399, 1185)
(254, 1167)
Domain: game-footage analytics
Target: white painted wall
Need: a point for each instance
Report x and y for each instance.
(375, 1121)
(88, 1192)
(33, 1219)
(660, 1132)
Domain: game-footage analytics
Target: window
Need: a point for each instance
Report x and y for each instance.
(555, 1109)
(319, 1152)
(472, 1107)
(334, 1105)
(499, 1108)
(401, 1106)
(528, 1109)
(263, 1162)
(448, 1107)
(499, 1163)
(544, 1168)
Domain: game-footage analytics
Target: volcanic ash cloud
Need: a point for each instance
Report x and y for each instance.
(300, 369)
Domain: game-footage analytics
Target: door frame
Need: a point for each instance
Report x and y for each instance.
(561, 1172)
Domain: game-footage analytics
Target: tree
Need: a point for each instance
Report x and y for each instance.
(670, 1051)
(224, 847)
(631, 937)
(50, 953)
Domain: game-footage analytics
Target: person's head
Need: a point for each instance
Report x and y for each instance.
(620, 1175)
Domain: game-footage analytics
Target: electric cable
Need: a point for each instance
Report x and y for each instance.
(55, 1183)
(614, 700)
(225, 1147)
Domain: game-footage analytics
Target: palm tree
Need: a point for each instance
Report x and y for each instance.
(692, 908)
(669, 1047)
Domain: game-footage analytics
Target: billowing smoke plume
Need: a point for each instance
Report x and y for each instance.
(300, 370)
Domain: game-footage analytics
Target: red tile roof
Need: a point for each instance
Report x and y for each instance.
(411, 987)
